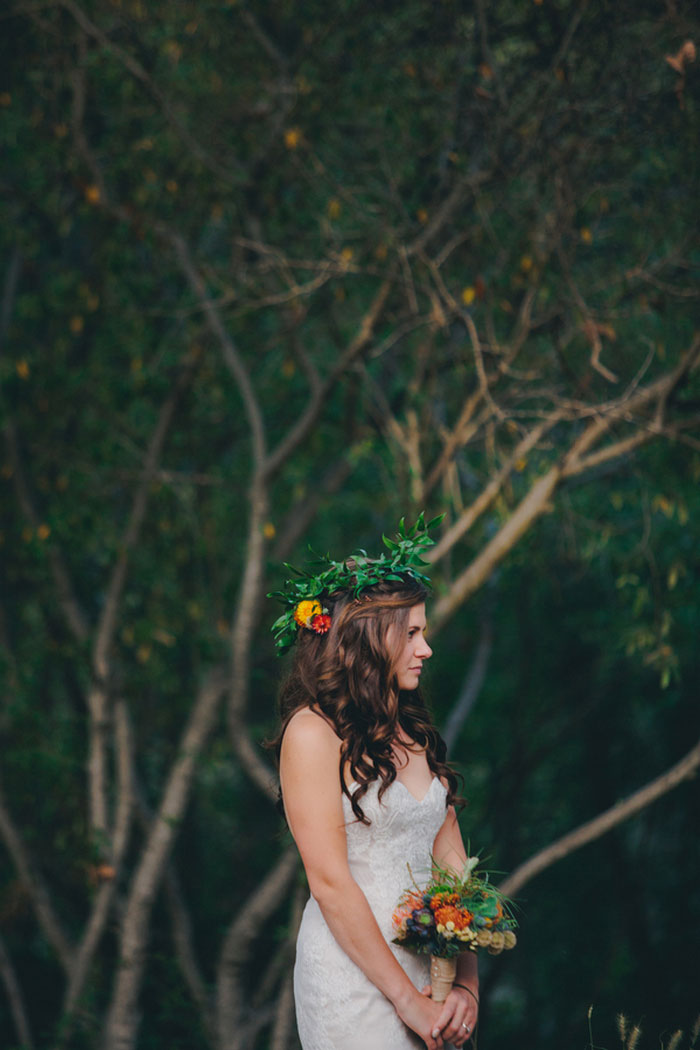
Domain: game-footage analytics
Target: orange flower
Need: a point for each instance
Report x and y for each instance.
(460, 917)
(444, 898)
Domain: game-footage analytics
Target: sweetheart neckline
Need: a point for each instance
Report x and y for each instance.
(418, 801)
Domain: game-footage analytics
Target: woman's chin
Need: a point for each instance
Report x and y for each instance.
(409, 682)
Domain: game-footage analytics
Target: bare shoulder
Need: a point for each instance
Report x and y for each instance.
(309, 772)
(310, 737)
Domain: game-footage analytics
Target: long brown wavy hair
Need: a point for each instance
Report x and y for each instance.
(349, 675)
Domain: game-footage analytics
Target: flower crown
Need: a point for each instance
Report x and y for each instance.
(303, 596)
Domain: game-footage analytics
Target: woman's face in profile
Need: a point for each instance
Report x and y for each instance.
(410, 647)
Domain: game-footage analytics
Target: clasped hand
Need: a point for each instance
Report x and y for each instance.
(439, 1023)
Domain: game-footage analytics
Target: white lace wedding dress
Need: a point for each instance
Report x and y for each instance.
(337, 1007)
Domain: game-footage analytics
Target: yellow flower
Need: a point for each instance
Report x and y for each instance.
(305, 612)
(468, 295)
(586, 235)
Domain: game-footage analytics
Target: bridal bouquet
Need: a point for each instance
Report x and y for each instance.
(454, 913)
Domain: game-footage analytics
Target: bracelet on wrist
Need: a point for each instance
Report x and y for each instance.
(467, 989)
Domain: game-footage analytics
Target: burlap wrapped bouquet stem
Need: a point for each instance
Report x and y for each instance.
(442, 977)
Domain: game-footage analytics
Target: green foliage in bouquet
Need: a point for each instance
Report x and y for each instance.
(456, 912)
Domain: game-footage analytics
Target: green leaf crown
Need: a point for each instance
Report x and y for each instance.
(355, 574)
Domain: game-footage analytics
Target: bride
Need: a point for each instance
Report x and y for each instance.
(366, 792)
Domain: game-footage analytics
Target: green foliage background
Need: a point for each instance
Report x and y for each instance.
(304, 152)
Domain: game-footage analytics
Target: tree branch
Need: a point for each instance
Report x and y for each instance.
(38, 891)
(537, 500)
(357, 345)
(284, 1014)
(98, 699)
(122, 1018)
(593, 829)
(14, 997)
(232, 358)
(488, 494)
(105, 894)
(236, 948)
(139, 73)
(181, 927)
(473, 682)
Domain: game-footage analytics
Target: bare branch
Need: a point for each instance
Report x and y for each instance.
(105, 894)
(181, 926)
(488, 494)
(468, 322)
(237, 943)
(473, 682)
(357, 345)
(139, 73)
(108, 618)
(251, 584)
(14, 996)
(613, 451)
(591, 329)
(684, 770)
(537, 500)
(304, 511)
(268, 45)
(443, 214)
(284, 1014)
(38, 891)
(535, 503)
(487, 53)
(122, 1017)
(230, 352)
(463, 430)
(98, 700)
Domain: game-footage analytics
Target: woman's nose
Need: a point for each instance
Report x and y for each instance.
(424, 650)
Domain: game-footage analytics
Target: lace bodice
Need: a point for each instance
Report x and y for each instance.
(396, 848)
(338, 1008)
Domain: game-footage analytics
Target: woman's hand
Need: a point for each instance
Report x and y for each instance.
(422, 1016)
(458, 1016)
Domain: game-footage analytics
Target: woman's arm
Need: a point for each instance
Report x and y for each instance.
(313, 804)
(462, 1004)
